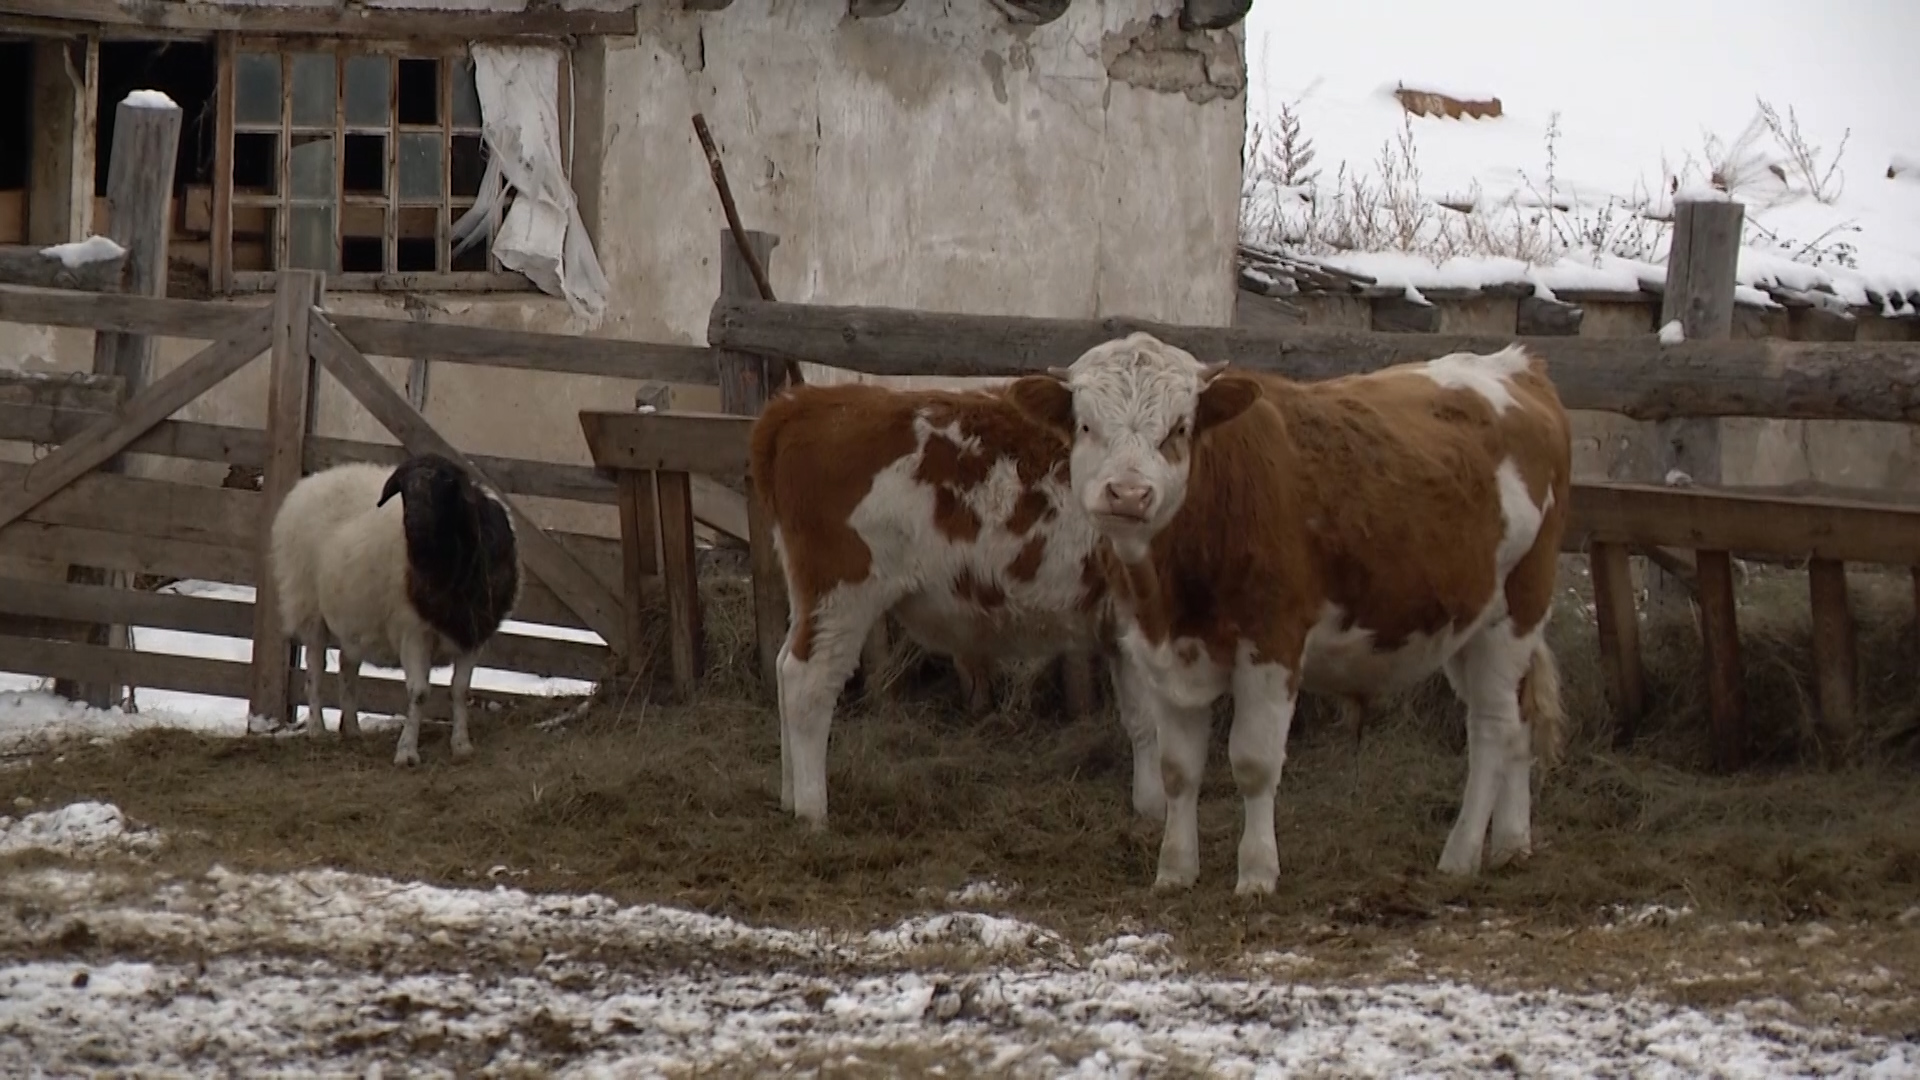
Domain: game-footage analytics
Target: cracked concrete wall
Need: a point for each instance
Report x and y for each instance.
(939, 158)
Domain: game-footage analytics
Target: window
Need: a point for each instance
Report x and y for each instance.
(356, 160)
(16, 137)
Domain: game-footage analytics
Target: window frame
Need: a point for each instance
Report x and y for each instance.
(225, 279)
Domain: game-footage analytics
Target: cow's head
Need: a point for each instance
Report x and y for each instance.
(1131, 409)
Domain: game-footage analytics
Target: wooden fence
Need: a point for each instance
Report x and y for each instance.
(1688, 534)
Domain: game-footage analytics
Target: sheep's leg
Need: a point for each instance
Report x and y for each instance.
(349, 693)
(313, 640)
(416, 660)
(462, 681)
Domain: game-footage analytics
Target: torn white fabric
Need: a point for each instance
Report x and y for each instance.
(542, 235)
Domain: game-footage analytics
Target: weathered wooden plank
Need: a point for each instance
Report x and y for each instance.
(1618, 623)
(25, 265)
(111, 549)
(590, 597)
(215, 516)
(1695, 519)
(188, 381)
(290, 400)
(528, 350)
(770, 612)
(1636, 377)
(198, 17)
(1835, 662)
(98, 664)
(132, 607)
(714, 505)
(640, 554)
(682, 585)
(1720, 636)
(1547, 318)
(204, 320)
(745, 379)
(713, 444)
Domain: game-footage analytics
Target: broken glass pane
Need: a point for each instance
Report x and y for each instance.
(365, 170)
(256, 88)
(256, 158)
(314, 93)
(466, 97)
(419, 240)
(469, 165)
(420, 168)
(310, 238)
(368, 90)
(310, 166)
(419, 98)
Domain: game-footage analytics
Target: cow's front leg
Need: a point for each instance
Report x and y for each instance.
(1263, 699)
(1182, 731)
(1134, 700)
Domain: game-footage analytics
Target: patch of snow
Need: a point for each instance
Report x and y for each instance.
(1624, 149)
(148, 99)
(80, 828)
(78, 253)
(988, 891)
(1701, 193)
(321, 971)
(1678, 478)
(1673, 333)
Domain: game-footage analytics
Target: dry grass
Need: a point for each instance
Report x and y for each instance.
(680, 804)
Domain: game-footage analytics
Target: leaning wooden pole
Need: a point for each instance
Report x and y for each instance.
(740, 241)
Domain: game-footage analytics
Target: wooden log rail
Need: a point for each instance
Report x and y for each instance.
(1610, 521)
(1636, 377)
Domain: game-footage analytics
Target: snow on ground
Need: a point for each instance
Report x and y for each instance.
(344, 973)
(27, 712)
(1636, 95)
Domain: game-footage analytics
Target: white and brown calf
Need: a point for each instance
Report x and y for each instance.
(949, 509)
(1346, 537)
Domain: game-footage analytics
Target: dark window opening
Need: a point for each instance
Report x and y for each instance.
(183, 70)
(16, 114)
(419, 91)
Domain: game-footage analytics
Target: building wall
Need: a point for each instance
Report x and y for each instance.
(938, 158)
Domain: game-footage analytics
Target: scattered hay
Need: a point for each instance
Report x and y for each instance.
(645, 800)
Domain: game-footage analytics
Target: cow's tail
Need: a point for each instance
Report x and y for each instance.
(1540, 706)
(764, 448)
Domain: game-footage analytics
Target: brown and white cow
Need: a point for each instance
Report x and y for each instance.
(1349, 537)
(949, 509)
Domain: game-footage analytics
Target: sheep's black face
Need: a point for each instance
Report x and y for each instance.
(462, 564)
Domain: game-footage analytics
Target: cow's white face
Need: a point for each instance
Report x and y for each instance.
(1131, 409)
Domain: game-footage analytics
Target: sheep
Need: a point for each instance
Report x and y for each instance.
(419, 583)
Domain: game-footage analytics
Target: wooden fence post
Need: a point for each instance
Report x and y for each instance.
(746, 382)
(291, 400)
(146, 140)
(1701, 265)
(1835, 658)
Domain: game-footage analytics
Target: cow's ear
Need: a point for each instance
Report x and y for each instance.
(1224, 397)
(1044, 399)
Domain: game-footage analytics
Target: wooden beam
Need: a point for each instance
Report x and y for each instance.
(528, 350)
(1835, 658)
(25, 265)
(1720, 638)
(185, 383)
(1212, 14)
(1701, 271)
(291, 396)
(1031, 12)
(214, 18)
(59, 198)
(745, 378)
(134, 607)
(54, 408)
(1636, 377)
(770, 610)
(199, 319)
(711, 443)
(687, 638)
(587, 594)
(1618, 622)
(1547, 318)
(1696, 519)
